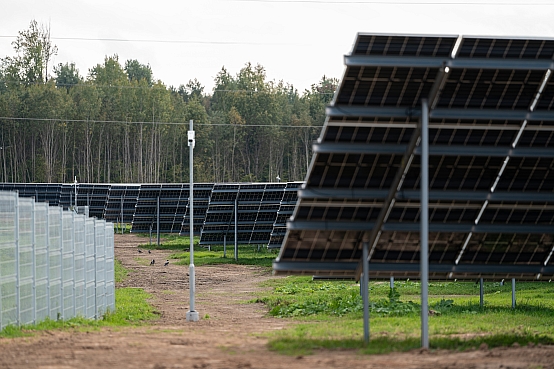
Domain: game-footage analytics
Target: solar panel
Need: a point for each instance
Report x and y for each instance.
(256, 206)
(491, 162)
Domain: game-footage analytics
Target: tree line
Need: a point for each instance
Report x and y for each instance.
(118, 124)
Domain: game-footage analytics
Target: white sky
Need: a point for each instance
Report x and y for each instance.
(296, 41)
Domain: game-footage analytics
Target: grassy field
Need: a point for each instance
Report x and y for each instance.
(329, 315)
(247, 254)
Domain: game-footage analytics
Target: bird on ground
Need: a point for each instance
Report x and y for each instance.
(140, 251)
(152, 262)
(166, 263)
(149, 251)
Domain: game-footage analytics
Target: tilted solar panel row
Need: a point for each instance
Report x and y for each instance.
(491, 162)
(260, 204)
(256, 207)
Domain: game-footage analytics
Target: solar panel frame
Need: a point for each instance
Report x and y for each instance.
(491, 138)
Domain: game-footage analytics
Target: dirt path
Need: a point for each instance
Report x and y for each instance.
(227, 336)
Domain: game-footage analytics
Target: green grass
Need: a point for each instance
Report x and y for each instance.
(247, 255)
(168, 242)
(330, 315)
(120, 273)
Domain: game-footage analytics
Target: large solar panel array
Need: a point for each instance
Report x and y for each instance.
(262, 207)
(201, 198)
(95, 196)
(491, 162)
(173, 200)
(256, 206)
(43, 192)
(286, 209)
(121, 204)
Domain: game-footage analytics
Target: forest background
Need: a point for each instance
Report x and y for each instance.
(118, 124)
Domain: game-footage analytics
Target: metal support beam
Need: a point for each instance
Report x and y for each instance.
(307, 225)
(437, 113)
(365, 289)
(447, 150)
(361, 194)
(406, 61)
(424, 226)
(350, 267)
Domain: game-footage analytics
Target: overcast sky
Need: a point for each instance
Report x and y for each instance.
(296, 41)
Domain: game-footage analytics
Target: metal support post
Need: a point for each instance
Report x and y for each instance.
(225, 245)
(513, 293)
(236, 227)
(121, 214)
(391, 283)
(158, 220)
(364, 283)
(192, 315)
(424, 226)
(481, 292)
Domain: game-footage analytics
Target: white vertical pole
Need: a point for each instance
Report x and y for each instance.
(391, 282)
(424, 226)
(365, 289)
(192, 314)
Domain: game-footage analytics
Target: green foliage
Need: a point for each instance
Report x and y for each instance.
(120, 273)
(248, 255)
(384, 344)
(330, 298)
(249, 129)
(67, 75)
(329, 320)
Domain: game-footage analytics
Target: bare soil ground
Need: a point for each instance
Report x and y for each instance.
(228, 334)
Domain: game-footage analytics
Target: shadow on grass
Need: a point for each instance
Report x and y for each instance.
(385, 345)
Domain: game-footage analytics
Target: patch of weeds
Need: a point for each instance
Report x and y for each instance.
(120, 273)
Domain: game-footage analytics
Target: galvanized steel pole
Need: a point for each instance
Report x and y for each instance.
(158, 220)
(364, 283)
(424, 224)
(192, 314)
